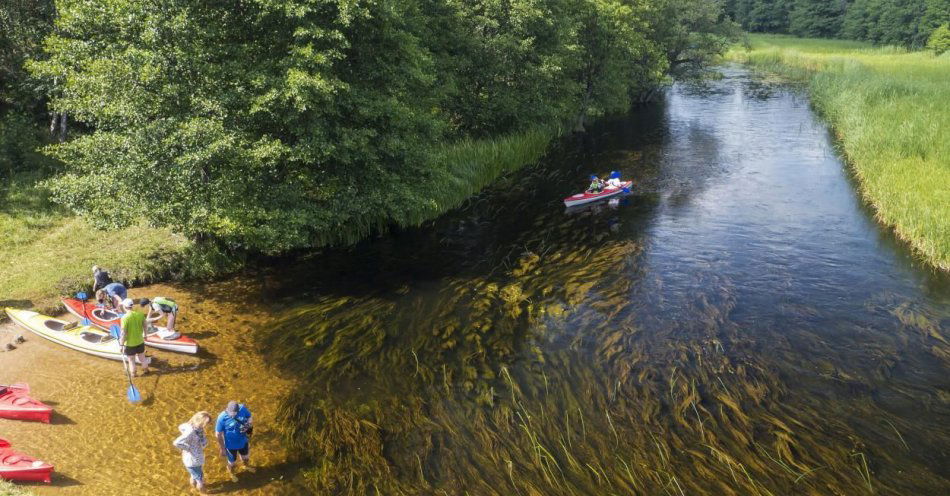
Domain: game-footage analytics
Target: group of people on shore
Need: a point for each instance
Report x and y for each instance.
(234, 425)
(134, 323)
(232, 429)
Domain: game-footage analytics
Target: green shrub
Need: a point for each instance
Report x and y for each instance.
(939, 40)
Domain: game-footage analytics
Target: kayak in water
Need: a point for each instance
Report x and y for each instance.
(156, 337)
(86, 339)
(16, 466)
(582, 198)
(16, 403)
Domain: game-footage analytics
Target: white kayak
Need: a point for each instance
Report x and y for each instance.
(80, 338)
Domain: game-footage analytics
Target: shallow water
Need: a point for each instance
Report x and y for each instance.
(739, 324)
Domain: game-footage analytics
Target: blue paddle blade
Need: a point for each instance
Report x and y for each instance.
(114, 330)
(133, 394)
(86, 321)
(81, 296)
(626, 190)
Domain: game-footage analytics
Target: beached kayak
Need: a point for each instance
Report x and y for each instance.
(86, 339)
(16, 403)
(582, 198)
(158, 337)
(16, 466)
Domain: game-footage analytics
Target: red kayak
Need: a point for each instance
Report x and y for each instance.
(24, 468)
(582, 198)
(104, 318)
(15, 403)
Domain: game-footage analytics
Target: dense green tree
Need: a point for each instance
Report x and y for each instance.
(815, 18)
(896, 22)
(277, 124)
(939, 40)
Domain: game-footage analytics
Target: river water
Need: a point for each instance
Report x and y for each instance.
(739, 324)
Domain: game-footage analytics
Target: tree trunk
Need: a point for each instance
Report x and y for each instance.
(582, 116)
(57, 126)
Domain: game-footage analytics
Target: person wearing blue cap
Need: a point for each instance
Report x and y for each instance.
(614, 181)
(596, 185)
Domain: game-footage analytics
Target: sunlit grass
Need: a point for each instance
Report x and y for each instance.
(46, 252)
(889, 108)
(11, 489)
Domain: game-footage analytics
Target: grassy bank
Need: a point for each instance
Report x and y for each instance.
(889, 110)
(46, 252)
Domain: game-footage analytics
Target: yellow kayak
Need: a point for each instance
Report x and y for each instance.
(78, 337)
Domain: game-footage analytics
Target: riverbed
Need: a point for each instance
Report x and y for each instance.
(738, 324)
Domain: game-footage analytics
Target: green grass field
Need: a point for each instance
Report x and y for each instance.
(890, 110)
(46, 252)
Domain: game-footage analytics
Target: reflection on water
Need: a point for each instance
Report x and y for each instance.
(736, 326)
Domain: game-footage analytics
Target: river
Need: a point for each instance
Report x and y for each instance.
(738, 324)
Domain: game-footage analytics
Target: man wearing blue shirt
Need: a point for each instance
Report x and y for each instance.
(232, 430)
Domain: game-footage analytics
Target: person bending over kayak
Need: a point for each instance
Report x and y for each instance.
(192, 442)
(113, 294)
(161, 307)
(232, 430)
(596, 185)
(132, 336)
(100, 279)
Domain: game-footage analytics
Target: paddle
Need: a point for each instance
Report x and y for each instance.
(85, 318)
(132, 393)
(4, 443)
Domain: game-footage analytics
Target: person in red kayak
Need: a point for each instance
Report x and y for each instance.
(596, 185)
(132, 336)
(614, 181)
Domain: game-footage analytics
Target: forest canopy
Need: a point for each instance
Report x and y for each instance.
(280, 124)
(885, 22)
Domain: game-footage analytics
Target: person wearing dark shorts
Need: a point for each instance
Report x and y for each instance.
(232, 430)
(132, 337)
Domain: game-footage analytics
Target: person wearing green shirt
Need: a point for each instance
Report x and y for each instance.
(132, 337)
(161, 307)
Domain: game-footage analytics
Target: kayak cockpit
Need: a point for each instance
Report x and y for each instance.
(55, 325)
(103, 314)
(93, 337)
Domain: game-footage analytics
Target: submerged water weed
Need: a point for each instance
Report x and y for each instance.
(548, 358)
(501, 397)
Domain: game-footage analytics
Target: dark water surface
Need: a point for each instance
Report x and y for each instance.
(739, 324)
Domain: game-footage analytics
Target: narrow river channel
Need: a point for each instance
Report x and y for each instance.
(739, 324)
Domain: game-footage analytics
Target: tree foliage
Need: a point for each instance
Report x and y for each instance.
(939, 41)
(895, 22)
(278, 124)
